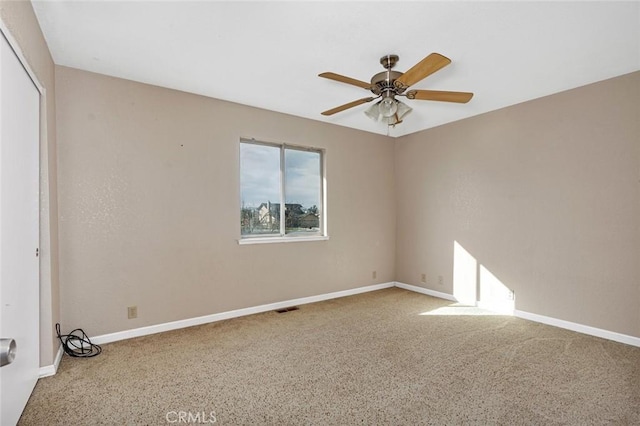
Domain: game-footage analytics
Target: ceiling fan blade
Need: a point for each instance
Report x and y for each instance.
(437, 95)
(343, 79)
(347, 106)
(422, 69)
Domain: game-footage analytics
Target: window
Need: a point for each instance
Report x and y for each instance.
(280, 178)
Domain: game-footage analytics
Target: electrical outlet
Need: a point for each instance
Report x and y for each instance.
(440, 280)
(132, 312)
(374, 275)
(423, 278)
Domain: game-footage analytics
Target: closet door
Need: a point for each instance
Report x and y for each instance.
(19, 233)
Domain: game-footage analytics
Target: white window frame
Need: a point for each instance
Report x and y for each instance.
(283, 237)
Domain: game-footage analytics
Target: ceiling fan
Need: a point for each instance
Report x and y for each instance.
(390, 84)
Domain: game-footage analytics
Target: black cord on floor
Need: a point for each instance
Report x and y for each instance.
(76, 345)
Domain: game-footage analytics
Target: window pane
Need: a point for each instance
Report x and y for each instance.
(259, 189)
(302, 192)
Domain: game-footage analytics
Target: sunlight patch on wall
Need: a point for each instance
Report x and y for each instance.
(494, 295)
(465, 275)
(475, 285)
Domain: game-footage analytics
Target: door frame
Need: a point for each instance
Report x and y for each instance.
(25, 64)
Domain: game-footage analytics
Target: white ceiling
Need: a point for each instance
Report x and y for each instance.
(268, 54)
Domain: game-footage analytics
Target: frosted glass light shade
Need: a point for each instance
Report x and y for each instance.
(373, 112)
(403, 110)
(387, 107)
(376, 112)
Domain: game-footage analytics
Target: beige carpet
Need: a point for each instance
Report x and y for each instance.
(367, 359)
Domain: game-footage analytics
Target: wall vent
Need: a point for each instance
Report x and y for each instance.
(290, 308)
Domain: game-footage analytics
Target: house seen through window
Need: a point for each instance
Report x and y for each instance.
(281, 190)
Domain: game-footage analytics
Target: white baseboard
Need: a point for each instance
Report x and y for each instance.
(426, 291)
(568, 325)
(585, 329)
(50, 370)
(174, 325)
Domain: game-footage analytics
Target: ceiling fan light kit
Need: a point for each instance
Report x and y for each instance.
(391, 115)
(390, 84)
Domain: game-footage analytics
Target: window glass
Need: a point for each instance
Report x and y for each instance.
(302, 191)
(275, 179)
(260, 189)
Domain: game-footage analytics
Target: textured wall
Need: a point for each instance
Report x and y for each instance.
(149, 206)
(19, 19)
(544, 194)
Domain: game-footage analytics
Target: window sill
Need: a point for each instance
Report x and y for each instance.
(271, 240)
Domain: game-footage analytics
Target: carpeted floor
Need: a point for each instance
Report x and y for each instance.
(385, 357)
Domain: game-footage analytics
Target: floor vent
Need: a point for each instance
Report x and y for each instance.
(290, 308)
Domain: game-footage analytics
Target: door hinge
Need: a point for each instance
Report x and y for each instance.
(37, 252)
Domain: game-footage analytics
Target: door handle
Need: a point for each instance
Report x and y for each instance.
(7, 351)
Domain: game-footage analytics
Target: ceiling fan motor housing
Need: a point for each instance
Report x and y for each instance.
(383, 81)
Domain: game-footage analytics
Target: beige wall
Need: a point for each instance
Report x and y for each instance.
(19, 18)
(149, 206)
(545, 195)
